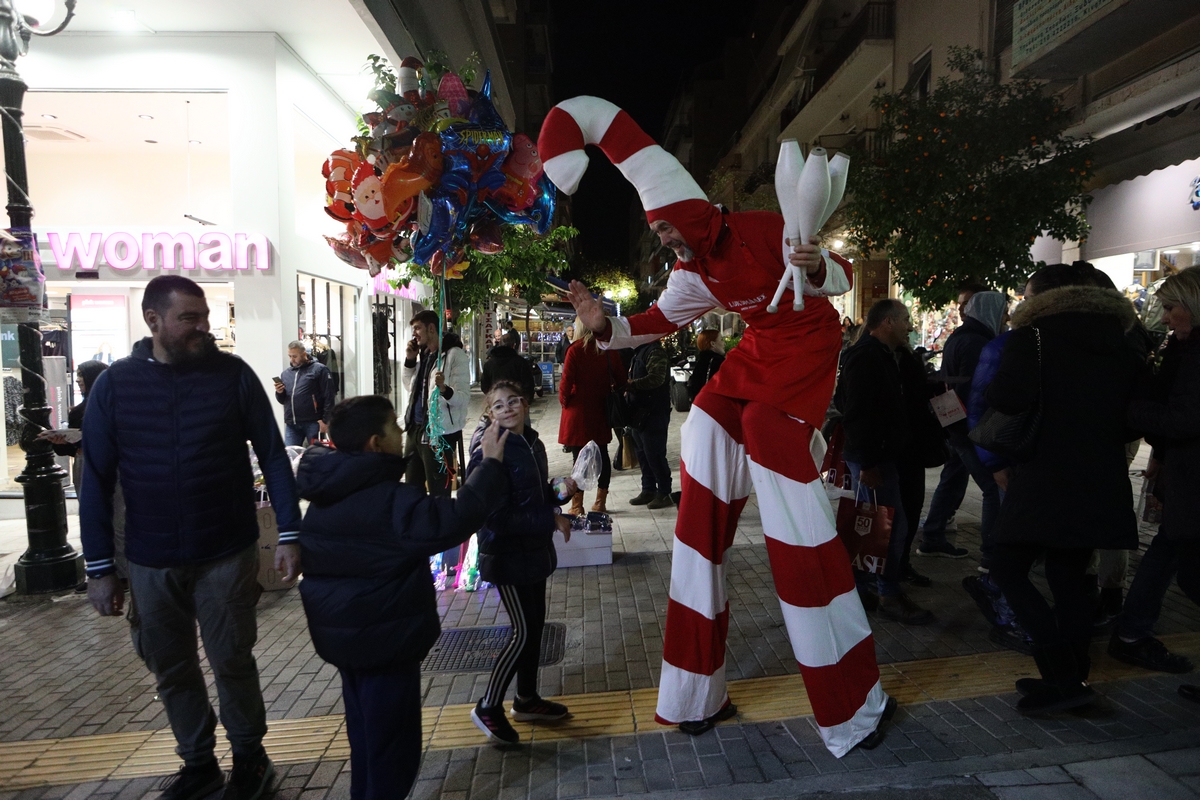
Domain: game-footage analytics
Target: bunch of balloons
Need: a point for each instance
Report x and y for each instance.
(437, 170)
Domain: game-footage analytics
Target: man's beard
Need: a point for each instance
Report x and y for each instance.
(194, 347)
(684, 253)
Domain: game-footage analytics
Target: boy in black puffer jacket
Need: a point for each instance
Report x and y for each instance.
(367, 590)
(516, 553)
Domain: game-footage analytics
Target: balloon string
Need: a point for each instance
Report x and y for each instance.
(433, 428)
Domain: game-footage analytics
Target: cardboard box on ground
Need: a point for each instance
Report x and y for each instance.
(268, 538)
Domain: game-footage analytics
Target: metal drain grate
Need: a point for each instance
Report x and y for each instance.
(476, 649)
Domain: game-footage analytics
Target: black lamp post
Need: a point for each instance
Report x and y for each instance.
(50, 563)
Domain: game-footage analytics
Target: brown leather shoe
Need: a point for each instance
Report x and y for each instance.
(576, 504)
(601, 498)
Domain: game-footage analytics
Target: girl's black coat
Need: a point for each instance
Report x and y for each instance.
(365, 545)
(516, 544)
(1170, 419)
(1075, 491)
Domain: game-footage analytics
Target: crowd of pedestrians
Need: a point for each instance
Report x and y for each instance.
(1075, 372)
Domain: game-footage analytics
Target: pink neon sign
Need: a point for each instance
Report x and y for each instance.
(166, 251)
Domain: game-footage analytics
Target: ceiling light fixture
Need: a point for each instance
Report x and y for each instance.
(195, 141)
(1170, 252)
(145, 116)
(49, 116)
(150, 141)
(194, 218)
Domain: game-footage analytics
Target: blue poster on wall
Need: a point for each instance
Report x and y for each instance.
(547, 368)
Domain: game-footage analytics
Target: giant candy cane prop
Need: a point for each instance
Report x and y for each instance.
(808, 195)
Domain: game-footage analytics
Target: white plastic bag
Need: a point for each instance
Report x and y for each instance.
(586, 472)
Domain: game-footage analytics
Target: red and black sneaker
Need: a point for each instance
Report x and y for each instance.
(495, 724)
(536, 709)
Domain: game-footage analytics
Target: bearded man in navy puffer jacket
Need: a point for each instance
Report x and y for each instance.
(171, 422)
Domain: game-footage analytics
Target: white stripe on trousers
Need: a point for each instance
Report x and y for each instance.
(505, 668)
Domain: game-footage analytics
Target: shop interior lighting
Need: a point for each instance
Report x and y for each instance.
(49, 116)
(195, 141)
(1196, 247)
(838, 244)
(194, 218)
(126, 19)
(1170, 252)
(145, 116)
(150, 141)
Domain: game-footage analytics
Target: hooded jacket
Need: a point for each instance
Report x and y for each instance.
(365, 543)
(788, 359)
(516, 544)
(1074, 492)
(175, 436)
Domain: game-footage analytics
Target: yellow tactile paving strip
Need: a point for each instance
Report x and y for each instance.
(82, 759)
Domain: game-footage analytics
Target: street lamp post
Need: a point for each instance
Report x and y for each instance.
(50, 563)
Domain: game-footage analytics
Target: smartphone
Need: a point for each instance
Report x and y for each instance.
(276, 380)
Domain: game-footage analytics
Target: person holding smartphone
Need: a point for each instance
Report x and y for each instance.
(308, 393)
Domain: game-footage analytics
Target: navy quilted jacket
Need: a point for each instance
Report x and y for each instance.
(516, 544)
(175, 436)
(365, 544)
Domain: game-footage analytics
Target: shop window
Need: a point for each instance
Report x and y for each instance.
(326, 327)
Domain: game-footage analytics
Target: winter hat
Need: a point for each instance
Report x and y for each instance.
(666, 189)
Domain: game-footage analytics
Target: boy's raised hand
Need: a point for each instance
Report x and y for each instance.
(493, 440)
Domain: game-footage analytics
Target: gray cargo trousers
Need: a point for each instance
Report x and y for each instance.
(165, 605)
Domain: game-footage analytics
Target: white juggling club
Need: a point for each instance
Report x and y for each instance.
(839, 168)
(788, 170)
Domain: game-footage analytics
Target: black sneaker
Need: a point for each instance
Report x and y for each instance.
(943, 550)
(698, 727)
(914, 578)
(1148, 653)
(876, 737)
(661, 501)
(979, 591)
(249, 778)
(535, 709)
(1013, 637)
(495, 724)
(643, 499)
(192, 783)
(1050, 699)
(899, 608)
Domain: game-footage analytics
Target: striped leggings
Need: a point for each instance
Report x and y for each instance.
(728, 445)
(526, 607)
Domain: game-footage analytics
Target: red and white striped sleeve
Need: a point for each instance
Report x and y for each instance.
(685, 299)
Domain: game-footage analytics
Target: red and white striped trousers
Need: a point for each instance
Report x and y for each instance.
(727, 445)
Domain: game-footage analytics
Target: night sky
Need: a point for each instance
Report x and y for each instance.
(636, 54)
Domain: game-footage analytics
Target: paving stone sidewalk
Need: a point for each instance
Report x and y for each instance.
(66, 672)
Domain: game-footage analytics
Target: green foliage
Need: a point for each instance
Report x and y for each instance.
(739, 192)
(524, 263)
(961, 183)
(606, 276)
(439, 64)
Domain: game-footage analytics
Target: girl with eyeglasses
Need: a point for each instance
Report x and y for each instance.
(516, 554)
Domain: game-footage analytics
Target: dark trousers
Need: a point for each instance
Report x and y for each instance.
(165, 605)
(912, 496)
(526, 607)
(887, 494)
(962, 465)
(650, 443)
(1164, 559)
(383, 724)
(426, 470)
(605, 464)
(1070, 620)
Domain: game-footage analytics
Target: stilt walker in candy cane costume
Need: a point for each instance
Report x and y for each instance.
(748, 426)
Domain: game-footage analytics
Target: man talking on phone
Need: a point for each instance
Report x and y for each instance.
(307, 392)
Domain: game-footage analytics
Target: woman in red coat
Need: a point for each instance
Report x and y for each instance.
(588, 375)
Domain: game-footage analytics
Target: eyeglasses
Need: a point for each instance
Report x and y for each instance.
(512, 403)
